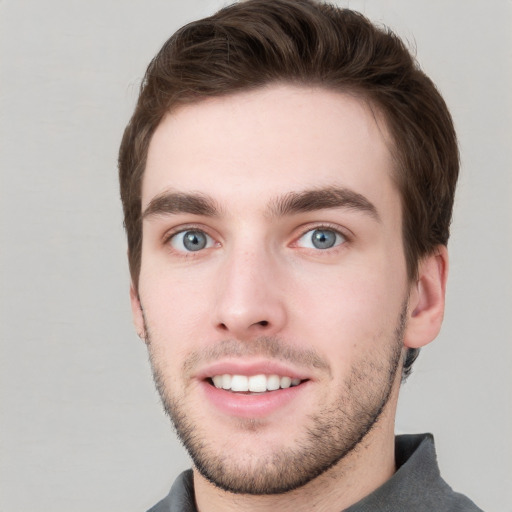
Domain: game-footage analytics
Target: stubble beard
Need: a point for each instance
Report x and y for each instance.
(334, 432)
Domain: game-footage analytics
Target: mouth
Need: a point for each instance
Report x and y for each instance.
(253, 390)
(253, 384)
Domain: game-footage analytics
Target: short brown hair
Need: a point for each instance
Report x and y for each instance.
(258, 42)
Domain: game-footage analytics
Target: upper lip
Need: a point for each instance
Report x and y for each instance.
(238, 367)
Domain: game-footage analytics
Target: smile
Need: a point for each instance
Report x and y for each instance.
(254, 383)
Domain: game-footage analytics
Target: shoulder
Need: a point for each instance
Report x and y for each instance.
(420, 480)
(180, 497)
(417, 484)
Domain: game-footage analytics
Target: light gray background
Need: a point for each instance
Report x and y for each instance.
(81, 426)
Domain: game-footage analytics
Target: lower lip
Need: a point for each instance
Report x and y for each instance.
(251, 406)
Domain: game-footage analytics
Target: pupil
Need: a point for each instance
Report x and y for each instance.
(194, 240)
(323, 239)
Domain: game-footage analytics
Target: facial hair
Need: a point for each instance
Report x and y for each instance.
(333, 432)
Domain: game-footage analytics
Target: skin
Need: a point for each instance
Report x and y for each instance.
(260, 278)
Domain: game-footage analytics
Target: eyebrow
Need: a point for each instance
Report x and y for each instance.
(320, 199)
(169, 203)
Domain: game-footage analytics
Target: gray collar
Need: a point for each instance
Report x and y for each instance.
(417, 485)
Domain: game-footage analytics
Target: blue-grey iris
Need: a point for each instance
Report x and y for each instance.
(194, 240)
(323, 239)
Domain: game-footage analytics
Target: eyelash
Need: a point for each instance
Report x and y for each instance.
(327, 227)
(167, 238)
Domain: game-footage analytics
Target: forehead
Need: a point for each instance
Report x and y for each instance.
(251, 146)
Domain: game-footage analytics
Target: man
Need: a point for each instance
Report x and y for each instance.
(287, 181)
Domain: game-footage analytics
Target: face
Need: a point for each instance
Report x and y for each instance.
(273, 288)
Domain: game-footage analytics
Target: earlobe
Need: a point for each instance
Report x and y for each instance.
(137, 314)
(427, 299)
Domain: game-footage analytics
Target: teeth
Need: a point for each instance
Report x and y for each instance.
(286, 382)
(217, 381)
(273, 382)
(255, 383)
(258, 383)
(239, 383)
(226, 381)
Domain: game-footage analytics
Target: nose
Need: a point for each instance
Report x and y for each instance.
(249, 298)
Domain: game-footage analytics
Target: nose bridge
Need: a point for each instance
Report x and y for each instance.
(249, 300)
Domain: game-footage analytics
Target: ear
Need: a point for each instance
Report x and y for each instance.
(137, 314)
(427, 300)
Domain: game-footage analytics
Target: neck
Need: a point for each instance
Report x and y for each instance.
(358, 474)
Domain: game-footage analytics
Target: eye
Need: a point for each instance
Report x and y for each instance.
(191, 240)
(321, 238)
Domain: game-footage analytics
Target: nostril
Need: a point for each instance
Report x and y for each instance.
(263, 323)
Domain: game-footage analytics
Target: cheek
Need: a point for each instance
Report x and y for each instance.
(174, 308)
(168, 287)
(364, 286)
(351, 308)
